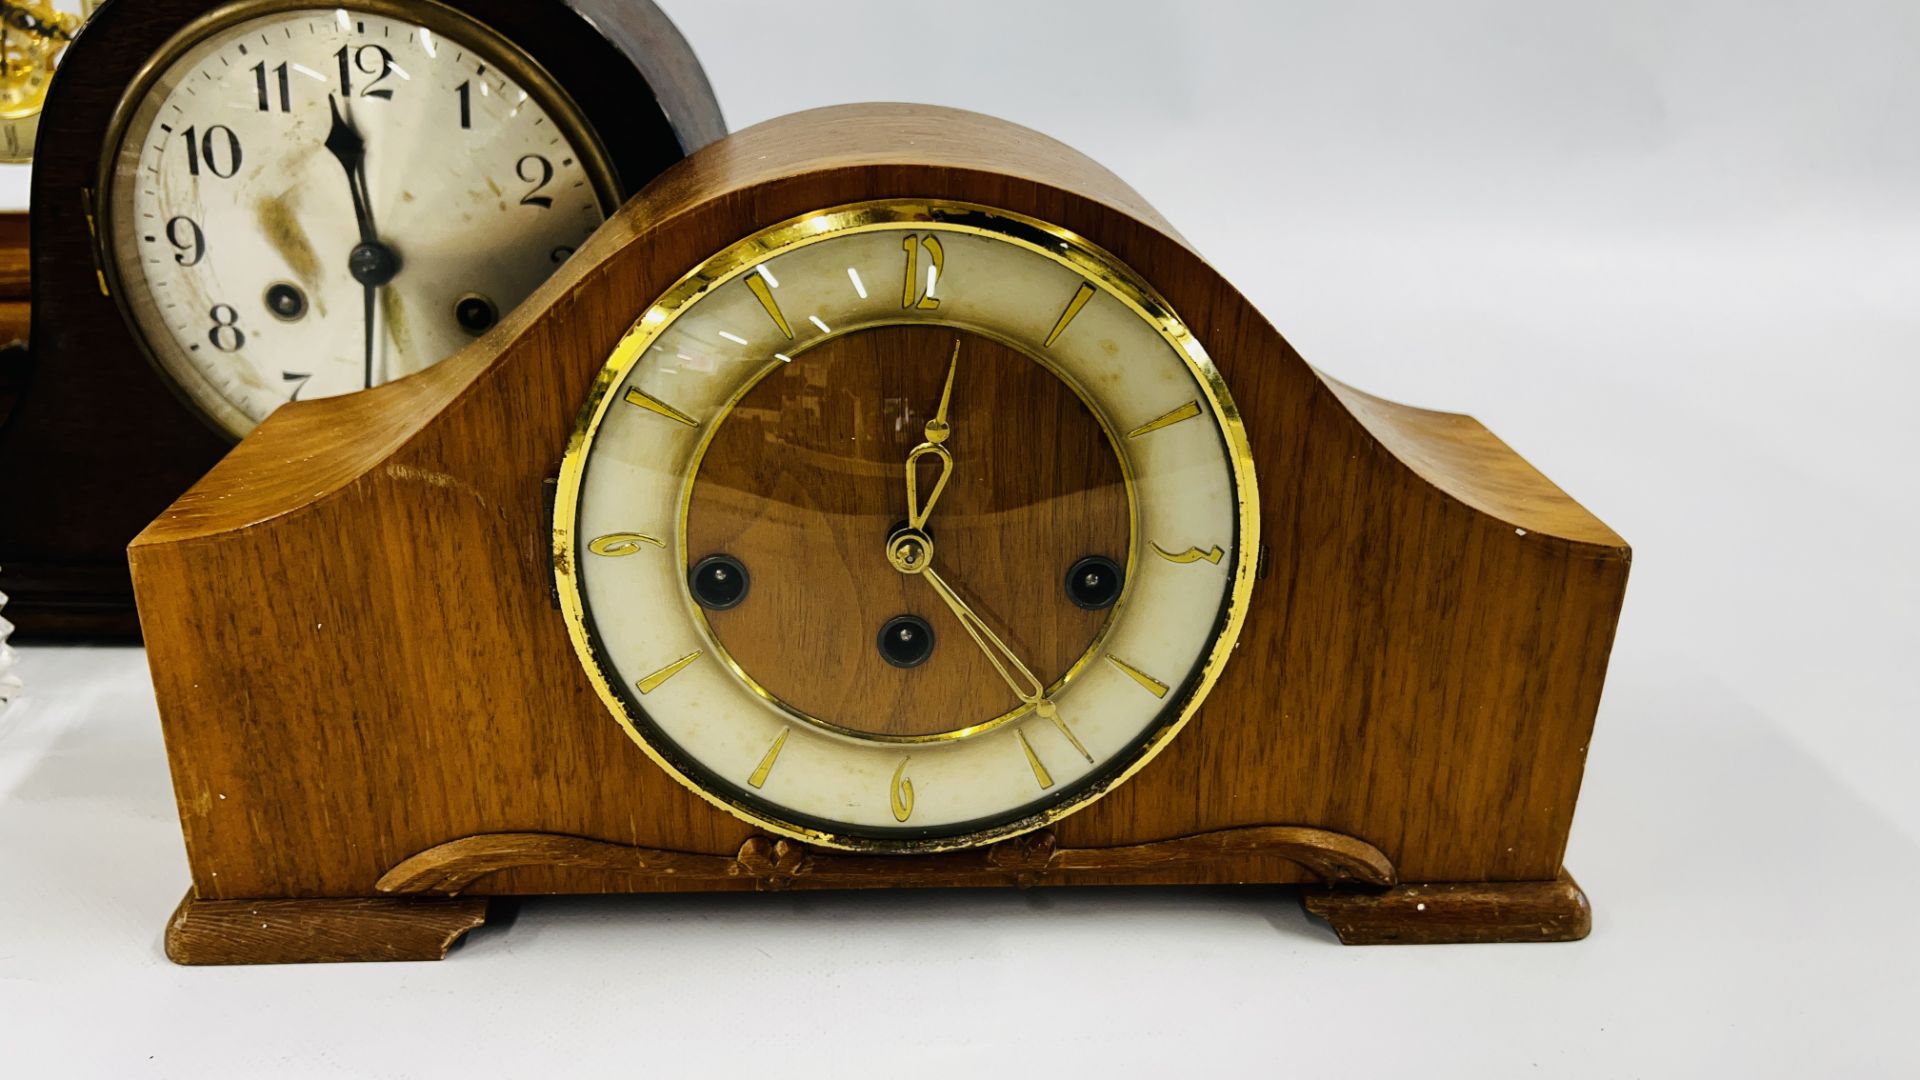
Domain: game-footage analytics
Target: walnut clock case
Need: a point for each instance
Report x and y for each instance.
(886, 497)
(236, 204)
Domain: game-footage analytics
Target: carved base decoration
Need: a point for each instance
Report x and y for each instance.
(1470, 913)
(1028, 860)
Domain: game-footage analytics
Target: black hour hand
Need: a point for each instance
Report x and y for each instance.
(346, 145)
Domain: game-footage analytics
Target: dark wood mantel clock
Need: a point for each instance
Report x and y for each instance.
(886, 497)
(237, 203)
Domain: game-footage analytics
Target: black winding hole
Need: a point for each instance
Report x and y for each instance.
(475, 313)
(1095, 582)
(718, 582)
(906, 641)
(285, 301)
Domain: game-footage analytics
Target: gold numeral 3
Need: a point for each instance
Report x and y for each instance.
(1191, 555)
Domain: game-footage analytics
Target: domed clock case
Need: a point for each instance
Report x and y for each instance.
(97, 434)
(406, 662)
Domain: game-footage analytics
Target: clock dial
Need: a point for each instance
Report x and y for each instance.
(906, 526)
(807, 470)
(304, 201)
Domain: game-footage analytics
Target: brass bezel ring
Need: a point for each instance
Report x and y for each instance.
(1069, 249)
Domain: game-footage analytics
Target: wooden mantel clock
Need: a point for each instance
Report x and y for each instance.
(886, 497)
(237, 203)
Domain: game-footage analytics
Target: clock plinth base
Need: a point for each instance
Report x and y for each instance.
(319, 930)
(1466, 913)
(69, 602)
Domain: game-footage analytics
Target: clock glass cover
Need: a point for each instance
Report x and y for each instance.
(906, 526)
(300, 201)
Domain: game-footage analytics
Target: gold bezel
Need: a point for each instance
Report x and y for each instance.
(179, 374)
(1069, 249)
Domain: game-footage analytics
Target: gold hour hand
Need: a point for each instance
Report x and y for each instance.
(936, 432)
(1017, 675)
(918, 512)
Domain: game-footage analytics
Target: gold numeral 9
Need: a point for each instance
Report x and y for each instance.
(622, 543)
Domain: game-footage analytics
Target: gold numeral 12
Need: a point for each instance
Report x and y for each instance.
(910, 294)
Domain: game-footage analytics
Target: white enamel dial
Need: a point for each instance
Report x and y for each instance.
(698, 379)
(304, 201)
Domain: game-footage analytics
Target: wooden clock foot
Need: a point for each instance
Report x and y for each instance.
(320, 930)
(1456, 914)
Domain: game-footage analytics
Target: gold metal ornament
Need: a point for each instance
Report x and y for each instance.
(33, 35)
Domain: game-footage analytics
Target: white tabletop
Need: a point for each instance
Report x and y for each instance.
(1668, 252)
(1748, 921)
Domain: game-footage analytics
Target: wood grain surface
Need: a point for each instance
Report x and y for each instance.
(357, 658)
(306, 931)
(1462, 913)
(805, 480)
(98, 441)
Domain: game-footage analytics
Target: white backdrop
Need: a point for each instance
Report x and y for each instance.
(1666, 250)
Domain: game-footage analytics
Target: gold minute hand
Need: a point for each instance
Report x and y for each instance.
(1026, 687)
(936, 432)
(938, 429)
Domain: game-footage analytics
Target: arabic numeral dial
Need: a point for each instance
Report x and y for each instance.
(303, 202)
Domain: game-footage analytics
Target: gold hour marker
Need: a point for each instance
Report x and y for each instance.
(1073, 308)
(902, 792)
(1167, 419)
(1191, 555)
(626, 543)
(1040, 772)
(1154, 686)
(636, 396)
(653, 682)
(758, 283)
(759, 776)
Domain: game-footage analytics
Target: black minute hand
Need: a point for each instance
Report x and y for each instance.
(371, 262)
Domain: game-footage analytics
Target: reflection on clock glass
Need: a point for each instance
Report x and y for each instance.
(310, 201)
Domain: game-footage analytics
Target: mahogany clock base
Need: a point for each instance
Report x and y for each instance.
(90, 602)
(421, 914)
